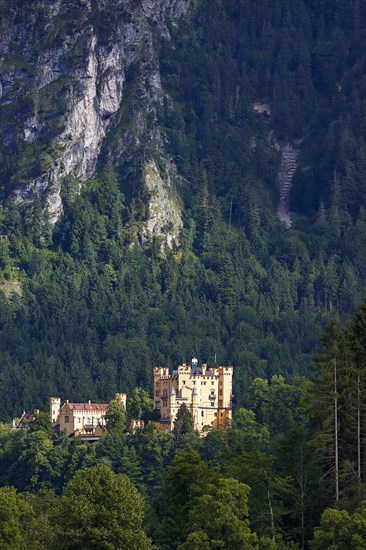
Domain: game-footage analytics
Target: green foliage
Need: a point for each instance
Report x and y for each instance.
(10, 534)
(100, 509)
(341, 530)
(188, 471)
(154, 448)
(41, 422)
(116, 416)
(183, 424)
(198, 489)
(97, 311)
(36, 522)
(248, 433)
(139, 404)
(218, 517)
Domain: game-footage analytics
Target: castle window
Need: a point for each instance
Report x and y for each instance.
(212, 403)
(157, 393)
(212, 383)
(79, 420)
(67, 419)
(220, 392)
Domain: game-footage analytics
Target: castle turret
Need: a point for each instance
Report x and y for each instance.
(195, 408)
(55, 406)
(173, 397)
(122, 397)
(206, 392)
(172, 406)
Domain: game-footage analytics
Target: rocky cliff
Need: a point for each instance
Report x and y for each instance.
(80, 80)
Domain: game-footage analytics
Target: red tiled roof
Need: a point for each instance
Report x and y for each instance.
(89, 406)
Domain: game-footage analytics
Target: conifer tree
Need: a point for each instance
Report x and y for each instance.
(355, 394)
(183, 423)
(331, 362)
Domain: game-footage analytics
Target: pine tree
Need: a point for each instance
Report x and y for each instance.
(355, 392)
(183, 424)
(331, 362)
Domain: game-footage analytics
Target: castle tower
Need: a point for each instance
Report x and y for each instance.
(206, 391)
(172, 398)
(55, 405)
(225, 395)
(172, 407)
(195, 408)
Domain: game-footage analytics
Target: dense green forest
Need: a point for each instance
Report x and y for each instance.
(93, 311)
(87, 310)
(291, 469)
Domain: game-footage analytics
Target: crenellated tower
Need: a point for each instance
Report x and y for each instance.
(55, 406)
(207, 392)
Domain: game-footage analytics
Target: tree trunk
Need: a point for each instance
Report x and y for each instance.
(302, 498)
(336, 465)
(358, 428)
(271, 516)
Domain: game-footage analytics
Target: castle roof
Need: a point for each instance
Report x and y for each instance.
(88, 406)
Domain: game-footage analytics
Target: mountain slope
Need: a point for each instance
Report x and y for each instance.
(68, 69)
(165, 188)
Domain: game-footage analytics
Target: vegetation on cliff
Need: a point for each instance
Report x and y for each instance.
(95, 308)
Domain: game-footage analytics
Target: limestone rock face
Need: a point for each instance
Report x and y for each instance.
(71, 73)
(164, 218)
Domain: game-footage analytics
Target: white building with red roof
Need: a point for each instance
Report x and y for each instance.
(80, 419)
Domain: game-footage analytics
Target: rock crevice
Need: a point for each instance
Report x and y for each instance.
(72, 75)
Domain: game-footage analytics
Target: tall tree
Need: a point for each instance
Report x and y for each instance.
(219, 515)
(341, 530)
(10, 534)
(100, 509)
(183, 424)
(355, 393)
(116, 417)
(331, 362)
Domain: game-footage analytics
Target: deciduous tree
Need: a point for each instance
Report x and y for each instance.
(102, 510)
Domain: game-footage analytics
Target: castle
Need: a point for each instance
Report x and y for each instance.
(86, 420)
(207, 392)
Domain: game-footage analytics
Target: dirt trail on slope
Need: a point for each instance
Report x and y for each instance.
(288, 168)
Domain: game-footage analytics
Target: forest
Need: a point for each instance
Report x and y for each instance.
(86, 310)
(93, 311)
(288, 473)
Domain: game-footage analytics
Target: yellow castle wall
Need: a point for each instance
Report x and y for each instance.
(211, 407)
(71, 420)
